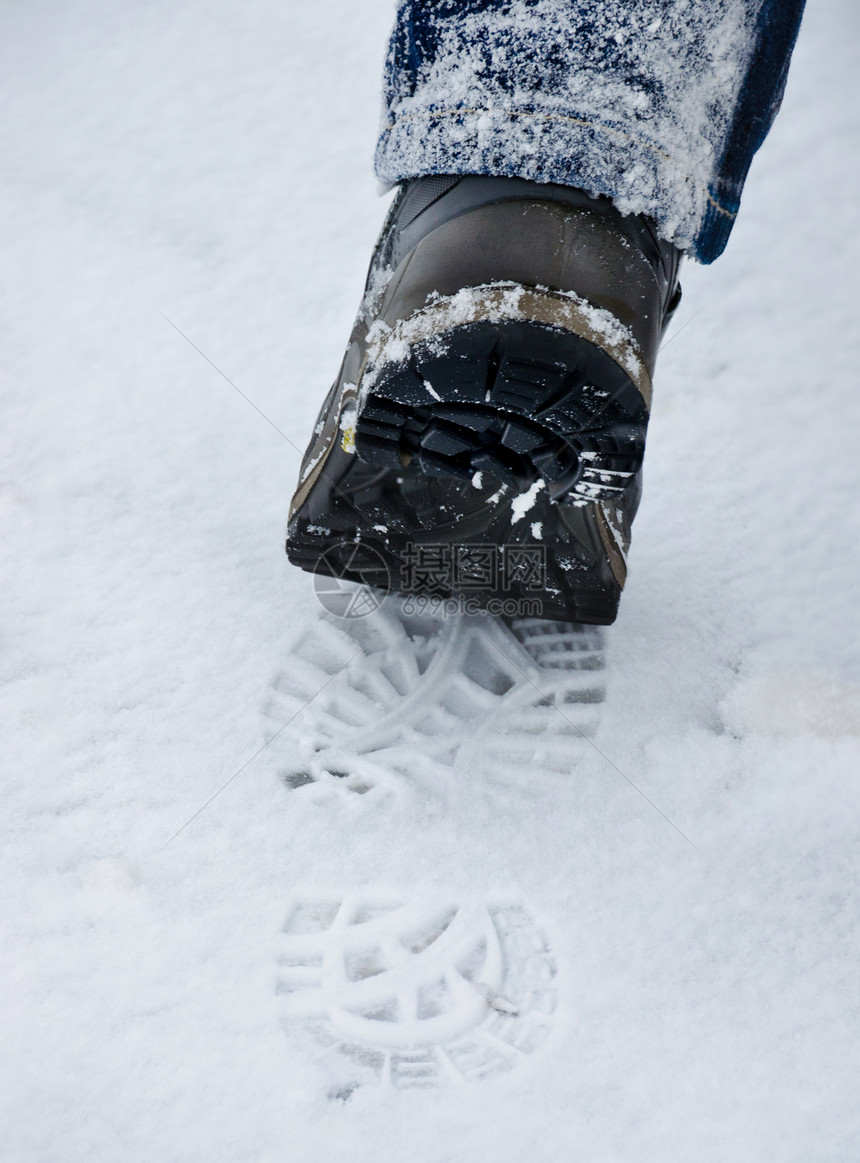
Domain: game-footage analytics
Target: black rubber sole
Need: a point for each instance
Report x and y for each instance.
(476, 467)
(519, 400)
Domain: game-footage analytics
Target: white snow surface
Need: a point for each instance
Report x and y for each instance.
(655, 931)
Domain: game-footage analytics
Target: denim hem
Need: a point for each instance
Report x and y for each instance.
(547, 146)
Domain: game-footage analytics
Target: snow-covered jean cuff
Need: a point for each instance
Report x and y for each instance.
(659, 104)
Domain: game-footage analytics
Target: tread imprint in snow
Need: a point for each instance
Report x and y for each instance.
(426, 696)
(415, 993)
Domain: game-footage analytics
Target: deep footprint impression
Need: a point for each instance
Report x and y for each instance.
(414, 993)
(395, 696)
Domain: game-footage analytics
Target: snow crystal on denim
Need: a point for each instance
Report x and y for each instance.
(631, 99)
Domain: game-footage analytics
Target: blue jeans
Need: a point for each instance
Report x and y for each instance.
(659, 104)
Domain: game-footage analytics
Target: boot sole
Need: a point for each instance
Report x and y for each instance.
(489, 464)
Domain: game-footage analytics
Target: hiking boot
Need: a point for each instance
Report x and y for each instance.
(485, 435)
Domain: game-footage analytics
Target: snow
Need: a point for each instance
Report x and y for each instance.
(525, 501)
(349, 414)
(684, 886)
